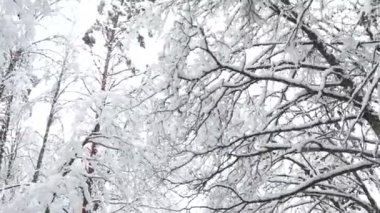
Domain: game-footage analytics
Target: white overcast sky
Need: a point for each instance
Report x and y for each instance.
(76, 17)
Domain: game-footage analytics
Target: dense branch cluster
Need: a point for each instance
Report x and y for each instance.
(278, 107)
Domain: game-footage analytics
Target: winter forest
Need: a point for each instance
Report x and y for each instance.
(198, 106)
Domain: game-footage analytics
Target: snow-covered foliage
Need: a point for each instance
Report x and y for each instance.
(272, 105)
(249, 106)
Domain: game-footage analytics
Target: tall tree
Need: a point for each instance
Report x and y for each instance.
(59, 88)
(104, 166)
(18, 50)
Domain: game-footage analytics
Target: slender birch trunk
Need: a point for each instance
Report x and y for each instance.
(49, 123)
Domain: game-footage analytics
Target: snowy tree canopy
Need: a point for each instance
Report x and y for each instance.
(189, 106)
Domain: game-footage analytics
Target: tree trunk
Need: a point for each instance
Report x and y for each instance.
(49, 123)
